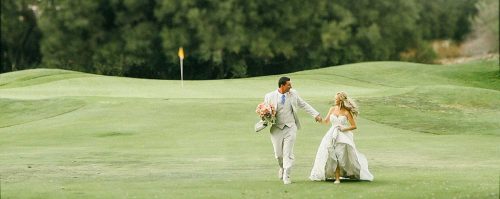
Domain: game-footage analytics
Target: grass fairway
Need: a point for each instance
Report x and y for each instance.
(428, 131)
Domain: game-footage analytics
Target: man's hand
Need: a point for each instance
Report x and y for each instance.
(318, 118)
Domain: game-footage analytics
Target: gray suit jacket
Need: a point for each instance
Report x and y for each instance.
(273, 98)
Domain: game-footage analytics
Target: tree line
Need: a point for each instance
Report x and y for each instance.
(222, 38)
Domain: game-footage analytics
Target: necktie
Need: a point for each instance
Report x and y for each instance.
(282, 99)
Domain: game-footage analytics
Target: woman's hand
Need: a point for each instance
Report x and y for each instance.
(339, 127)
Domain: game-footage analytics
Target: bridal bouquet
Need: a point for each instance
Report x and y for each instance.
(267, 113)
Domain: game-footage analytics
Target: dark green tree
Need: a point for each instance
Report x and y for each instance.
(71, 34)
(227, 38)
(20, 35)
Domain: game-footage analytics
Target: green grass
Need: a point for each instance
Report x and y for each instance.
(428, 131)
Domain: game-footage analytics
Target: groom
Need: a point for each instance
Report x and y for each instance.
(284, 131)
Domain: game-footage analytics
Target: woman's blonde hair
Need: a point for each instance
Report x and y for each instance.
(347, 103)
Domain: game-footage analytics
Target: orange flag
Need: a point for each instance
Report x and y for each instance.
(181, 53)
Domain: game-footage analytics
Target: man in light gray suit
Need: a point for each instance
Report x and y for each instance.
(283, 133)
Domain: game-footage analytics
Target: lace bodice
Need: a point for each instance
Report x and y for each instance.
(339, 120)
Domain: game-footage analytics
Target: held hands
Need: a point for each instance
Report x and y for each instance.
(319, 119)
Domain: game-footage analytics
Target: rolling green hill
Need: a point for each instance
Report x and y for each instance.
(429, 131)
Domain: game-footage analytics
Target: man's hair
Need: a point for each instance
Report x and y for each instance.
(283, 81)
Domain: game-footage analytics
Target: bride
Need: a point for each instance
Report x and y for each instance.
(337, 154)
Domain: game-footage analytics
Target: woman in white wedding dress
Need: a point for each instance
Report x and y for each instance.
(337, 154)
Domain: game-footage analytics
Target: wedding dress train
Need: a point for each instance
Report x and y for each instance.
(338, 148)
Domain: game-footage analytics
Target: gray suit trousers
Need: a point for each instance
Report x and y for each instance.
(283, 141)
